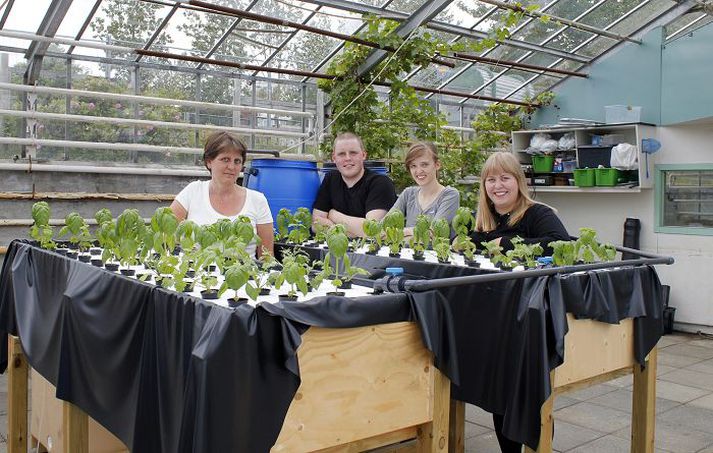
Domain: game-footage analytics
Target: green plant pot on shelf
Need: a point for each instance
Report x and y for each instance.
(542, 164)
(584, 177)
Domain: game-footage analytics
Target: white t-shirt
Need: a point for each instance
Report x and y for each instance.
(195, 199)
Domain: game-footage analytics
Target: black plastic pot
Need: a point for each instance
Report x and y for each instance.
(287, 298)
(394, 255)
(346, 285)
(335, 293)
(419, 257)
(209, 294)
(473, 263)
(128, 272)
(264, 291)
(97, 262)
(85, 258)
(233, 302)
(62, 251)
(112, 267)
(190, 273)
(94, 251)
(71, 254)
(440, 261)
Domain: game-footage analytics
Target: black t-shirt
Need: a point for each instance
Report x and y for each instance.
(372, 191)
(539, 225)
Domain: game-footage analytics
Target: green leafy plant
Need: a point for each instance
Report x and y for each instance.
(372, 231)
(300, 226)
(41, 231)
(526, 254)
(295, 269)
(421, 235)
(129, 231)
(588, 250)
(236, 276)
(284, 219)
(393, 224)
(494, 251)
(337, 244)
(320, 233)
(78, 231)
(562, 253)
(260, 274)
(463, 225)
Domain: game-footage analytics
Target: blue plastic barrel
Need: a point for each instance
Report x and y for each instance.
(287, 184)
(377, 166)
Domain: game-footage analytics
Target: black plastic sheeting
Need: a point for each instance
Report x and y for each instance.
(166, 372)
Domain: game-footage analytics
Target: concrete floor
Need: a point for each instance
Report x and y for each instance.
(596, 419)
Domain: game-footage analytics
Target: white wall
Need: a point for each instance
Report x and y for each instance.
(691, 277)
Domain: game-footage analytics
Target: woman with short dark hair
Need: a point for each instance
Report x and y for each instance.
(206, 202)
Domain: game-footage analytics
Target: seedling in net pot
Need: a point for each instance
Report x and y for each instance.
(393, 225)
(78, 230)
(372, 230)
(421, 236)
(41, 231)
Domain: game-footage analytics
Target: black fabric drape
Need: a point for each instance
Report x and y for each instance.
(166, 372)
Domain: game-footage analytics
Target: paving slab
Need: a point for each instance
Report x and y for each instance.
(704, 367)
(485, 443)
(690, 378)
(594, 417)
(686, 349)
(474, 414)
(591, 392)
(689, 417)
(668, 340)
(569, 436)
(704, 342)
(705, 402)
(622, 399)
(677, 392)
(676, 360)
(675, 439)
(473, 429)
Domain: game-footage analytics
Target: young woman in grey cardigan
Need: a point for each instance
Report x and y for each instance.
(428, 196)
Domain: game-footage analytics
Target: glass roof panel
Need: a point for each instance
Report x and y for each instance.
(26, 16)
(688, 23)
(569, 39)
(570, 9)
(642, 16)
(597, 46)
(406, 6)
(304, 51)
(284, 9)
(73, 20)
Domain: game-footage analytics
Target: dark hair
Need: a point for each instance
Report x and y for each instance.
(217, 142)
(348, 136)
(418, 149)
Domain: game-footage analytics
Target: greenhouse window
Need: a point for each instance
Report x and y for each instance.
(684, 199)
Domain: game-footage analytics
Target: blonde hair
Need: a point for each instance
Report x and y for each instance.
(501, 162)
(418, 149)
(348, 136)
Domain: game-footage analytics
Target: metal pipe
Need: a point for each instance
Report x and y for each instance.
(32, 167)
(148, 99)
(66, 41)
(515, 64)
(87, 196)
(148, 123)
(299, 26)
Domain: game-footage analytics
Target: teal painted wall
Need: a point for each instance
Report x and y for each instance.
(628, 76)
(671, 83)
(687, 76)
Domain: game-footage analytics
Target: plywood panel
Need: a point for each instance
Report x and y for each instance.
(593, 348)
(358, 383)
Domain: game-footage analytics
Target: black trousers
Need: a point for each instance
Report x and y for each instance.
(506, 445)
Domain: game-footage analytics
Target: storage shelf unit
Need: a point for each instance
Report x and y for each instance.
(591, 155)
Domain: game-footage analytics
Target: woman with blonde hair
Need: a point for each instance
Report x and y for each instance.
(506, 210)
(428, 196)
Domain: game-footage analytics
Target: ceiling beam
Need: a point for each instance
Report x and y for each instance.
(49, 26)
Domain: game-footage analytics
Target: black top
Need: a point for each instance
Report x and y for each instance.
(539, 225)
(372, 191)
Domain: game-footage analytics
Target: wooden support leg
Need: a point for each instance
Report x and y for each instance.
(546, 422)
(17, 397)
(75, 429)
(433, 437)
(456, 427)
(643, 414)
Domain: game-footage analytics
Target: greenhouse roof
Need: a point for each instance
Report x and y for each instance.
(296, 40)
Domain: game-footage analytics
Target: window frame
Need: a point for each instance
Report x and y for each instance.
(660, 187)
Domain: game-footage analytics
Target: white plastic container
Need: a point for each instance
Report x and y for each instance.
(622, 114)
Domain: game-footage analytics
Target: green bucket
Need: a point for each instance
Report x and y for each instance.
(542, 164)
(584, 177)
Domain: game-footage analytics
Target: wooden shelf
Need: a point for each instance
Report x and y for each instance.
(575, 189)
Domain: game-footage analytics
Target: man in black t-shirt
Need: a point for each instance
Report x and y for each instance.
(353, 193)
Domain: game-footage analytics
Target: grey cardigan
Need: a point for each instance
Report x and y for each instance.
(444, 206)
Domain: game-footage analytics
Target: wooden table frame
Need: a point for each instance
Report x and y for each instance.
(595, 352)
(362, 388)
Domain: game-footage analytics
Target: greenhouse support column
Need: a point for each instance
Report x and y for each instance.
(319, 126)
(4, 94)
(133, 156)
(303, 146)
(67, 104)
(254, 114)
(197, 118)
(236, 101)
